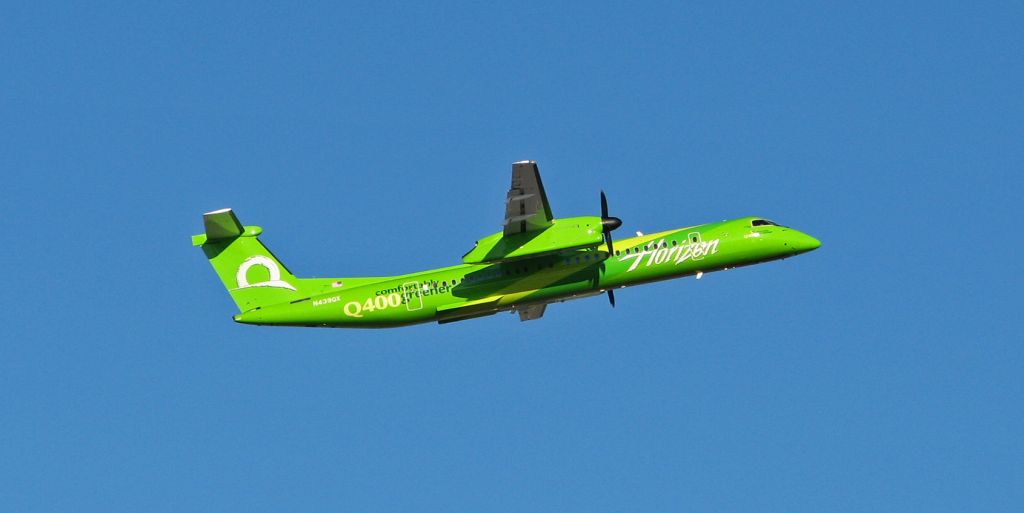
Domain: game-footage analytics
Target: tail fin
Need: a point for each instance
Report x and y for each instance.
(252, 274)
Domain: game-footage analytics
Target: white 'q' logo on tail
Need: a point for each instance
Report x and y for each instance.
(272, 268)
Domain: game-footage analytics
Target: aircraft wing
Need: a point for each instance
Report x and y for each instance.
(529, 313)
(526, 207)
(468, 310)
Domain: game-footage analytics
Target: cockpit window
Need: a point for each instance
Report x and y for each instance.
(763, 222)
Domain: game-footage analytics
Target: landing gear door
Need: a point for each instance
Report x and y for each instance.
(413, 295)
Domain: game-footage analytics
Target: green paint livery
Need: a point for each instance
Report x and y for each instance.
(534, 261)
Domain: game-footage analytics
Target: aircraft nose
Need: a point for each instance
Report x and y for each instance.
(803, 242)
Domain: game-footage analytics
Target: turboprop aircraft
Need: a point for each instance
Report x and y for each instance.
(534, 261)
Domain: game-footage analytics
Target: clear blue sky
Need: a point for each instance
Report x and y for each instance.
(879, 373)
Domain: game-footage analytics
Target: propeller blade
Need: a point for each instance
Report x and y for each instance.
(611, 298)
(608, 223)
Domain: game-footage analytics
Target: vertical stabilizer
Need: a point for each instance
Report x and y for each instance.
(252, 274)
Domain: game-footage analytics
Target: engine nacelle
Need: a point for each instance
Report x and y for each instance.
(562, 235)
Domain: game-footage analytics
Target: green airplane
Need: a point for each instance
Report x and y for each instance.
(534, 261)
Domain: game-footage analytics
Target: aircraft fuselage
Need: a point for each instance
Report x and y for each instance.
(473, 290)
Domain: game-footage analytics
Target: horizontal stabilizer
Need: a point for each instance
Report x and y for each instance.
(222, 225)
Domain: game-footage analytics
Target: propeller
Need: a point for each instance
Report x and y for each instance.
(607, 225)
